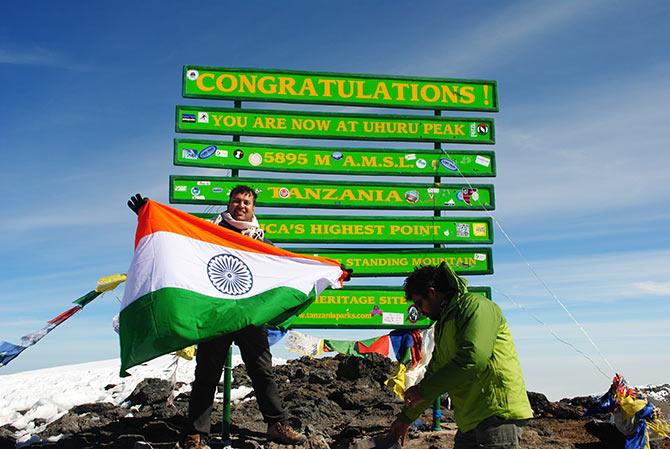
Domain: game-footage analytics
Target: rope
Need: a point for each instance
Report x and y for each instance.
(173, 382)
(539, 279)
(565, 342)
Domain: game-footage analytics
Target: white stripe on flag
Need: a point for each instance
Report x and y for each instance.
(165, 259)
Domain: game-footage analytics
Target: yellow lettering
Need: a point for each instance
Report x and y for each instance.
(313, 193)
(201, 82)
(264, 88)
(322, 159)
(250, 84)
(368, 161)
(381, 91)
(271, 123)
(349, 162)
(359, 91)
(327, 84)
(401, 90)
(329, 194)
(393, 195)
(340, 89)
(467, 94)
(286, 85)
(365, 195)
(447, 92)
(430, 97)
(308, 85)
(347, 194)
(220, 82)
(232, 121)
(295, 192)
(415, 89)
(323, 125)
(309, 124)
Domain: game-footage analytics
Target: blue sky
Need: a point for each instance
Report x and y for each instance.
(88, 93)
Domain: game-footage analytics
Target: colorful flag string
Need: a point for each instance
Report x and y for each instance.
(9, 351)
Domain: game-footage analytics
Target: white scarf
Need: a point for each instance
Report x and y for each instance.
(249, 228)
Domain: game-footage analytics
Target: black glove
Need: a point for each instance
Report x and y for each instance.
(136, 202)
(347, 272)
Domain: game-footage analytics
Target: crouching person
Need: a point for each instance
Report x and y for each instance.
(474, 361)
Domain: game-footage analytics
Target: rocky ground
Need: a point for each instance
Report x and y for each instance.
(338, 402)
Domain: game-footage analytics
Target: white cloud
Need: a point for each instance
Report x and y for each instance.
(597, 278)
(39, 57)
(503, 36)
(584, 157)
(34, 57)
(654, 288)
(94, 198)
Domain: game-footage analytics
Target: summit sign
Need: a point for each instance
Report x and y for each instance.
(321, 125)
(340, 89)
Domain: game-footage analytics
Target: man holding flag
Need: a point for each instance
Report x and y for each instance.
(260, 283)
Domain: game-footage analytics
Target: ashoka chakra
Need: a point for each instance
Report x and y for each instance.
(229, 275)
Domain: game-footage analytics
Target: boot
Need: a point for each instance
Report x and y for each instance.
(195, 441)
(283, 433)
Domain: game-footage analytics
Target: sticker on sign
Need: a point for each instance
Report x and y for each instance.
(392, 318)
(481, 160)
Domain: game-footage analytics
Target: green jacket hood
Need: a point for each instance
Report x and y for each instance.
(454, 281)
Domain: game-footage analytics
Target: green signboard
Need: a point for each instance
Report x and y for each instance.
(321, 125)
(359, 161)
(392, 262)
(364, 308)
(339, 88)
(343, 229)
(335, 194)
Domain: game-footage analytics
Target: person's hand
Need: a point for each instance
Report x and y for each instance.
(136, 202)
(398, 431)
(413, 396)
(347, 273)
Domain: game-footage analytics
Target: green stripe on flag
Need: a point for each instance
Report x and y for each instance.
(170, 319)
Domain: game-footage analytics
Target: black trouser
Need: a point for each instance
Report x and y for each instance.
(492, 433)
(211, 357)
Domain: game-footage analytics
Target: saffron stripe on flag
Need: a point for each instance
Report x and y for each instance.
(155, 217)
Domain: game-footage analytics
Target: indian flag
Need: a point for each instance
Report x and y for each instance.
(191, 280)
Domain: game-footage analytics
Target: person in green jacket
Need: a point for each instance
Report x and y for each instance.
(474, 361)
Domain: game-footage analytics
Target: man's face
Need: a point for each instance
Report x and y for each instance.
(241, 206)
(430, 304)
